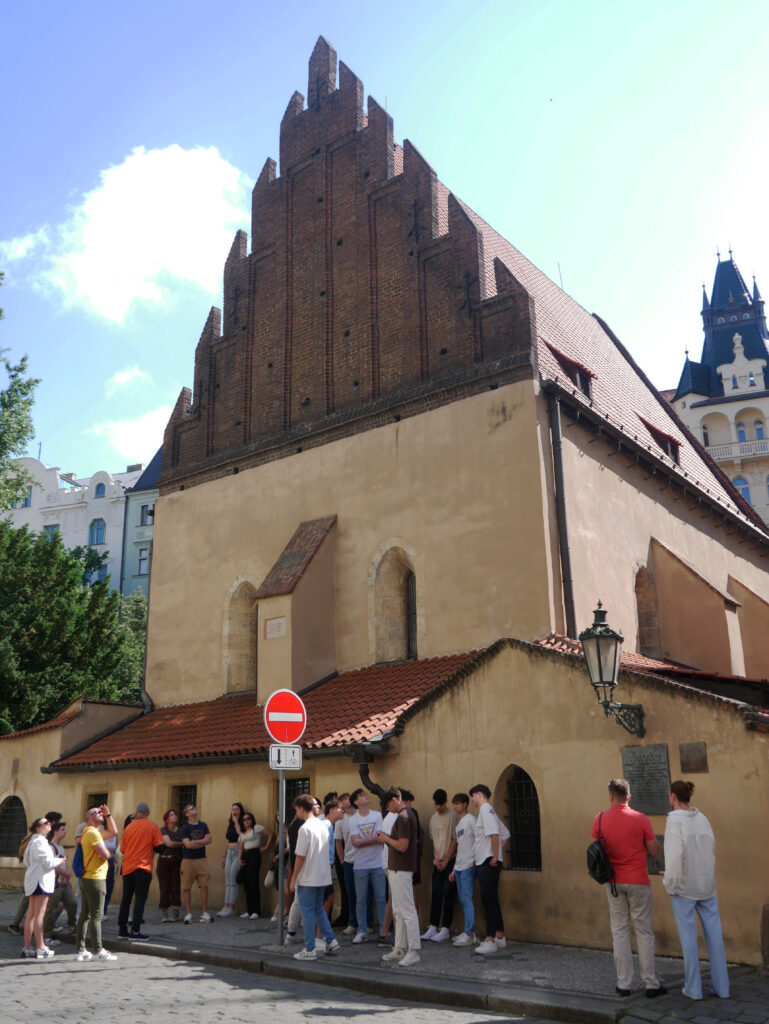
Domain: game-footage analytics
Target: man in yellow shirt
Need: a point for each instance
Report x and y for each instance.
(93, 882)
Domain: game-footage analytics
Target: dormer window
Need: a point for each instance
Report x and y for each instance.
(668, 444)
(578, 374)
(746, 316)
(721, 320)
(751, 380)
(99, 492)
(732, 317)
(734, 383)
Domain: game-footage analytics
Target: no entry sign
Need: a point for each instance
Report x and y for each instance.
(285, 716)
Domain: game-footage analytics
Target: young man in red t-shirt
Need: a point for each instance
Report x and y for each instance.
(628, 836)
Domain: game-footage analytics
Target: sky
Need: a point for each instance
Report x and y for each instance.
(617, 145)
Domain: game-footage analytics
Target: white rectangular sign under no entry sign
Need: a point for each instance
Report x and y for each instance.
(287, 757)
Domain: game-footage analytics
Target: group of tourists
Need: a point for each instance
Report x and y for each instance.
(690, 881)
(377, 856)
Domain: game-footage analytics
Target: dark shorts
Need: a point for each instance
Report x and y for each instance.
(328, 891)
(40, 892)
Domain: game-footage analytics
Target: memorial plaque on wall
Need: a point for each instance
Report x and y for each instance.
(694, 757)
(647, 771)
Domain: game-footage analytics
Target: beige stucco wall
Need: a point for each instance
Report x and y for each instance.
(614, 511)
(521, 707)
(462, 484)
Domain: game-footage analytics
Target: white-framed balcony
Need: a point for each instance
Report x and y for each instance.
(739, 450)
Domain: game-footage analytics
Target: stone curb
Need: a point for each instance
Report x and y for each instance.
(390, 982)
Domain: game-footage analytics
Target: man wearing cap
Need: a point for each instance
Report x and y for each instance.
(141, 841)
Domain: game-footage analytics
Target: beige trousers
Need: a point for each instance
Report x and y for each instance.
(633, 903)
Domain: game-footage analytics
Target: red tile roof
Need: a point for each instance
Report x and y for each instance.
(620, 392)
(55, 723)
(355, 707)
(629, 660)
(296, 556)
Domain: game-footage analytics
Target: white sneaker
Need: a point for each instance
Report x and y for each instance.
(333, 946)
(441, 936)
(349, 930)
(254, 917)
(291, 938)
(166, 917)
(225, 911)
(320, 945)
(360, 937)
(188, 918)
(104, 954)
(500, 943)
(395, 955)
(463, 939)
(29, 952)
(44, 954)
(244, 917)
(274, 918)
(411, 958)
(206, 918)
(84, 954)
(487, 947)
(306, 954)
(432, 930)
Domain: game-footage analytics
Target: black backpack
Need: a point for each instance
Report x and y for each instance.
(598, 863)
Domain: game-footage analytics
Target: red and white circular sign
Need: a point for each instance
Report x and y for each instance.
(285, 716)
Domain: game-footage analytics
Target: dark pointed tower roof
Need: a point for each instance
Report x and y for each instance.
(729, 288)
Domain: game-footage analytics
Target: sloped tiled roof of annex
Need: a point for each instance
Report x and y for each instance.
(355, 707)
(72, 710)
(621, 393)
(295, 557)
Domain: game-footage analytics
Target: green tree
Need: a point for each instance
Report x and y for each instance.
(60, 636)
(126, 680)
(16, 430)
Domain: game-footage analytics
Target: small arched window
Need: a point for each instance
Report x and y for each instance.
(758, 426)
(394, 609)
(743, 487)
(516, 801)
(98, 532)
(734, 383)
(741, 434)
(13, 826)
(100, 491)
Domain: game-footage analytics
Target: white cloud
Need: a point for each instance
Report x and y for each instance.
(18, 249)
(124, 379)
(160, 218)
(136, 440)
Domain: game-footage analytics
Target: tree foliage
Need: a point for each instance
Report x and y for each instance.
(61, 636)
(16, 430)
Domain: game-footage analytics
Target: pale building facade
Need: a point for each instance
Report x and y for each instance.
(724, 398)
(139, 527)
(85, 511)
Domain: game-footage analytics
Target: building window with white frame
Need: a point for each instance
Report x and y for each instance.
(98, 532)
(144, 561)
(100, 491)
(51, 531)
(743, 487)
(144, 516)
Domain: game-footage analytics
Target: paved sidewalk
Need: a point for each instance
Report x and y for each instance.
(561, 983)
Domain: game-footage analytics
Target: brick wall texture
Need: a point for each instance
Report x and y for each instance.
(361, 300)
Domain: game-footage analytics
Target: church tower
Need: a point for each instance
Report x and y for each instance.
(724, 398)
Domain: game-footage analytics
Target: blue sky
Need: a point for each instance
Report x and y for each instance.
(615, 144)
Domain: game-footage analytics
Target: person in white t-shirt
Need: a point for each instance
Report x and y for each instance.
(311, 875)
(345, 852)
(367, 866)
(464, 867)
(490, 836)
(384, 926)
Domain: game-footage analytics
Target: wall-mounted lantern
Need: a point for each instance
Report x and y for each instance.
(602, 646)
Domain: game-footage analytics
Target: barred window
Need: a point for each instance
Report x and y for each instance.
(181, 796)
(13, 826)
(524, 850)
(95, 800)
(294, 788)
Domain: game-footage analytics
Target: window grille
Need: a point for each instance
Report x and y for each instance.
(524, 850)
(95, 800)
(411, 616)
(180, 797)
(13, 826)
(294, 788)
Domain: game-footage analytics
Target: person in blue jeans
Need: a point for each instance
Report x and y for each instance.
(690, 881)
(367, 865)
(311, 876)
(464, 867)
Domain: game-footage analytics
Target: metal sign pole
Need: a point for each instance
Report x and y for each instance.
(281, 850)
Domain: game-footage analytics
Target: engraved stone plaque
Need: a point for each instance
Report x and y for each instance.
(694, 757)
(647, 771)
(274, 628)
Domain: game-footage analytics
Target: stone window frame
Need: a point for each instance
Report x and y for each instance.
(415, 565)
(95, 532)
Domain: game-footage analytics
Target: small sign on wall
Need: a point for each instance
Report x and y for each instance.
(274, 628)
(694, 757)
(646, 770)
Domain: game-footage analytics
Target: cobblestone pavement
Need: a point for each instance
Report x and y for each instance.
(140, 988)
(554, 982)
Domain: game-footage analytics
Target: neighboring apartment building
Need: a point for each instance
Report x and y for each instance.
(724, 398)
(86, 511)
(139, 528)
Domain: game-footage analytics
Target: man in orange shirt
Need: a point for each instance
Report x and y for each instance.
(141, 841)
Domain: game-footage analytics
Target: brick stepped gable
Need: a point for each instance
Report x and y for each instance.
(364, 297)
